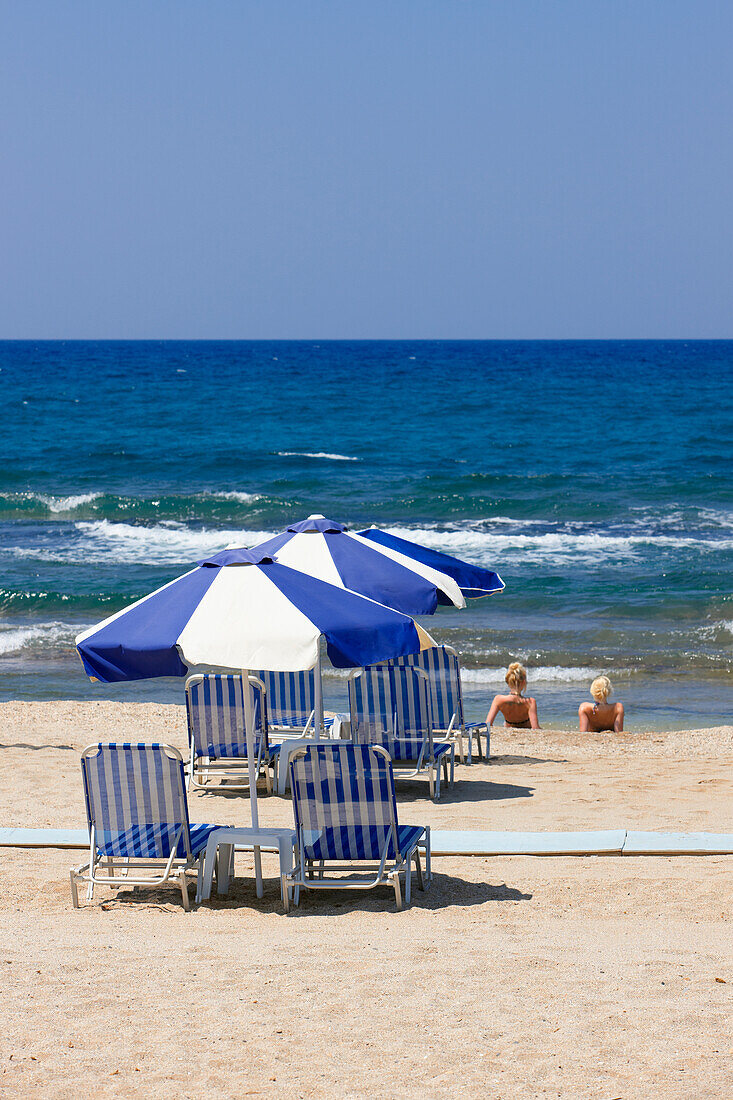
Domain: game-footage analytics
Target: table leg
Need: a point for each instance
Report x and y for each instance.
(206, 875)
(258, 871)
(285, 856)
(226, 852)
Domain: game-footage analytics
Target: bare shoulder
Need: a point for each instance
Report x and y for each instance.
(585, 708)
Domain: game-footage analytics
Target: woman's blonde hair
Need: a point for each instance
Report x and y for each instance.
(516, 676)
(601, 688)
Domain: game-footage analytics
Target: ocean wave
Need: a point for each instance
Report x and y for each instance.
(68, 504)
(103, 505)
(712, 632)
(101, 541)
(544, 674)
(491, 548)
(234, 494)
(318, 454)
(47, 503)
(15, 639)
(162, 544)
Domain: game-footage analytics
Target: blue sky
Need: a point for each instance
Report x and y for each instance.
(342, 169)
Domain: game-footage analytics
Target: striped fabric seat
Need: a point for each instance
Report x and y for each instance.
(444, 674)
(390, 706)
(152, 841)
(216, 729)
(346, 813)
(291, 698)
(138, 818)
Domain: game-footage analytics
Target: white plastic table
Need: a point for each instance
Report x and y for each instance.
(281, 839)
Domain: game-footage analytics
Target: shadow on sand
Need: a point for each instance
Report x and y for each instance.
(38, 748)
(444, 892)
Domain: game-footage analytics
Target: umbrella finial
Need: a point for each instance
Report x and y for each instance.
(237, 555)
(318, 523)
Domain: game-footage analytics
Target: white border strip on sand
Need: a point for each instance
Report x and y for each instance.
(450, 842)
(678, 844)
(445, 842)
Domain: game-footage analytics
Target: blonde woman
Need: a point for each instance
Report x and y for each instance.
(518, 710)
(600, 716)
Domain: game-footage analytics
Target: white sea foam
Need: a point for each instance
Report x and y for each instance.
(234, 494)
(101, 541)
(318, 454)
(544, 674)
(54, 504)
(68, 504)
(554, 547)
(24, 637)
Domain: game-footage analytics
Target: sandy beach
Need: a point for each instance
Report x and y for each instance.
(513, 976)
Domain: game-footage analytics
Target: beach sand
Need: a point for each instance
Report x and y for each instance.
(511, 977)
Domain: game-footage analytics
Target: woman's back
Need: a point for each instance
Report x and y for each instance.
(599, 716)
(515, 709)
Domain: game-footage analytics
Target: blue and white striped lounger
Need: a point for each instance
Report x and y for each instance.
(291, 699)
(390, 706)
(216, 732)
(138, 820)
(346, 816)
(444, 673)
(291, 702)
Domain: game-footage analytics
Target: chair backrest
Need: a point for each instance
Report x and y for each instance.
(444, 675)
(390, 706)
(136, 800)
(344, 802)
(215, 709)
(411, 697)
(291, 697)
(371, 709)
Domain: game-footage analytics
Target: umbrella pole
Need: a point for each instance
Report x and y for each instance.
(318, 700)
(249, 729)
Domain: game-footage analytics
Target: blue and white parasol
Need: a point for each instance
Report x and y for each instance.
(326, 549)
(473, 581)
(239, 609)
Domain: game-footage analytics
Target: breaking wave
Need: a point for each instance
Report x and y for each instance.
(318, 454)
(37, 636)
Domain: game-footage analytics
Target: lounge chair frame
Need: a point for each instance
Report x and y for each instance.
(234, 769)
(443, 667)
(117, 871)
(404, 690)
(357, 874)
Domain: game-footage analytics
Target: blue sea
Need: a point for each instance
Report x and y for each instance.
(595, 477)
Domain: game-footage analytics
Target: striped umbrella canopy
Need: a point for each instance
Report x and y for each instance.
(326, 549)
(473, 581)
(239, 609)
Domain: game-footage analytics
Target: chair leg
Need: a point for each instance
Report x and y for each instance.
(408, 882)
(184, 892)
(74, 891)
(285, 892)
(398, 892)
(418, 868)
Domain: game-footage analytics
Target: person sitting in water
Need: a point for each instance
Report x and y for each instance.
(600, 716)
(518, 711)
